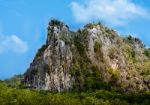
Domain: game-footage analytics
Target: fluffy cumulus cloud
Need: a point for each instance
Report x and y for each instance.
(116, 12)
(12, 43)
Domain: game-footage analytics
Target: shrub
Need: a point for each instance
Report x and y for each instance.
(65, 38)
(97, 47)
(129, 53)
(55, 22)
(132, 40)
(115, 74)
(79, 44)
(41, 51)
(15, 81)
(113, 51)
(147, 52)
(144, 68)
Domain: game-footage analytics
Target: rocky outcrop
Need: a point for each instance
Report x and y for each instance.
(52, 65)
(90, 58)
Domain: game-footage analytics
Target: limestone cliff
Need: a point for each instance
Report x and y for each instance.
(50, 68)
(94, 57)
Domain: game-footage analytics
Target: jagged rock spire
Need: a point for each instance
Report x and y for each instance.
(50, 70)
(54, 28)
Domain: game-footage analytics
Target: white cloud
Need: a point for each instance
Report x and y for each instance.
(12, 43)
(116, 12)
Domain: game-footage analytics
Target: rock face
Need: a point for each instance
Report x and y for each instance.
(53, 64)
(94, 57)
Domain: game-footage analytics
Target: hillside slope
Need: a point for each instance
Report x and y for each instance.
(94, 57)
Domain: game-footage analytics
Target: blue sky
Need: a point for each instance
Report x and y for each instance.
(23, 24)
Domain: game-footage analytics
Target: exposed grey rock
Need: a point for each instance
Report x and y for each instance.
(53, 65)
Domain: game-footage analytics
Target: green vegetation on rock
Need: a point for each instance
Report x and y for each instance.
(97, 47)
(147, 52)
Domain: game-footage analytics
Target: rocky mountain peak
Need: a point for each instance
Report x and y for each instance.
(94, 57)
